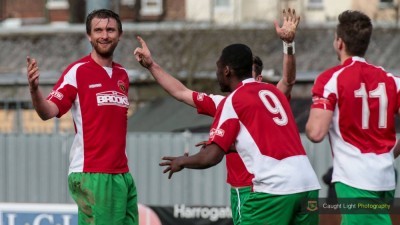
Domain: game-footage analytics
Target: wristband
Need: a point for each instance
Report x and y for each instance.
(288, 48)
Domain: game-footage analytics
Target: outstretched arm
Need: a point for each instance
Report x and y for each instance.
(287, 33)
(208, 156)
(44, 108)
(170, 84)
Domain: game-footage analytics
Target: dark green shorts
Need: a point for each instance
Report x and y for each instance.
(104, 199)
(238, 196)
(268, 209)
(346, 194)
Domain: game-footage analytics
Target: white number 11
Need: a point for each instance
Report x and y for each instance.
(380, 93)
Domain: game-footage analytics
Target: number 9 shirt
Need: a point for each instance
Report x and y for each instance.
(258, 119)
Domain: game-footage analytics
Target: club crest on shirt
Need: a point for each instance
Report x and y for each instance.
(200, 96)
(219, 132)
(121, 85)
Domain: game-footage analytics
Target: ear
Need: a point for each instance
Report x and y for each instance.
(88, 37)
(340, 44)
(227, 71)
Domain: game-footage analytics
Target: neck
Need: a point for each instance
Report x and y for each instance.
(344, 57)
(102, 61)
(234, 83)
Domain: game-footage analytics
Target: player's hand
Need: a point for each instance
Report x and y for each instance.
(32, 71)
(173, 165)
(290, 22)
(142, 54)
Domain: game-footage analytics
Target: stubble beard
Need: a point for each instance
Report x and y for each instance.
(105, 53)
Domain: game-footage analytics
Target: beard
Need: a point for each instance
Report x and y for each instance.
(104, 52)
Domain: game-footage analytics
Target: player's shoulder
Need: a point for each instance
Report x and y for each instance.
(118, 66)
(84, 59)
(326, 75)
(329, 72)
(74, 65)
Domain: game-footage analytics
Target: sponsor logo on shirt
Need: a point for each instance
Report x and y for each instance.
(112, 98)
(219, 132)
(121, 86)
(56, 94)
(94, 85)
(200, 96)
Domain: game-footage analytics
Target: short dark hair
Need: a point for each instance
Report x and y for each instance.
(103, 14)
(258, 65)
(355, 29)
(239, 58)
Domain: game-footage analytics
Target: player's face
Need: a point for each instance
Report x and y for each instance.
(104, 36)
(222, 78)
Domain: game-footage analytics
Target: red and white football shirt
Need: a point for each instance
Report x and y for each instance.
(365, 100)
(99, 105)
(237, 174)
(258, 119)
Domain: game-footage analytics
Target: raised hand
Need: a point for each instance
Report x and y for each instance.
(172, 164)
(290, 22)
(32, 71)
(142, 54)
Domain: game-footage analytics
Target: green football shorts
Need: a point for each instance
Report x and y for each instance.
(238, 196)
(104, 199)
(291, 209)
(349, 196)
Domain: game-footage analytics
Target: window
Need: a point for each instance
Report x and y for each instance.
(223, 5)
(151, 7)
(57, 4)
(315, 4)
(128, 2)
(386, 4)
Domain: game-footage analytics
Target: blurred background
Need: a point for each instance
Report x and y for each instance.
(185, 37)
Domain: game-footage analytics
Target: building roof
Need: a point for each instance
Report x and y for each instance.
(191, 48)
(184, 49)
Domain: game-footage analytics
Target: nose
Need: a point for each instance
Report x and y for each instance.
(104, 34)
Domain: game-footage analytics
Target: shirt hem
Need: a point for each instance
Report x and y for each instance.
(389, 188)
(274, 192)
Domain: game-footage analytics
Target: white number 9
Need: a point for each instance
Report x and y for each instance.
(281, 120)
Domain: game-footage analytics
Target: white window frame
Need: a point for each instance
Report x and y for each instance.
(151, 11)
(57, 4)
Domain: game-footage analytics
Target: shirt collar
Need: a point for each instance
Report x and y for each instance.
(245, 81)
(352, 59)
